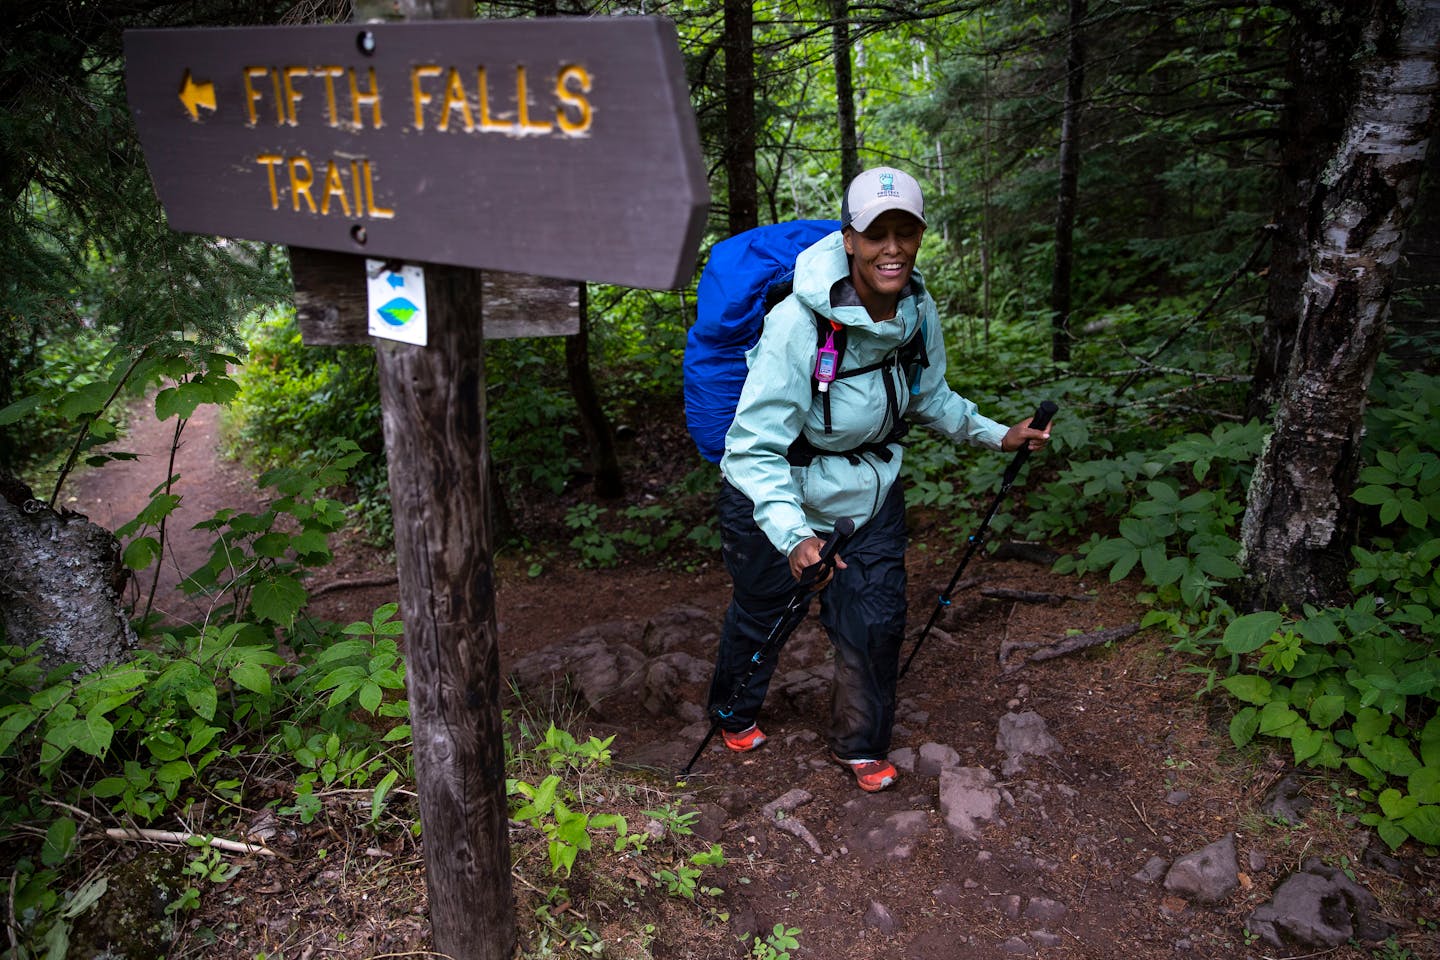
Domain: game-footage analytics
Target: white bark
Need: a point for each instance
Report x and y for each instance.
(1297, 524)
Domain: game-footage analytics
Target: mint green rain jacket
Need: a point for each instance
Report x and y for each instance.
(794, 503)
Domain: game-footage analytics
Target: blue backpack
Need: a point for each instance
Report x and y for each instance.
(745, 276)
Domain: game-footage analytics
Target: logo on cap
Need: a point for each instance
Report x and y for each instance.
(887, 186)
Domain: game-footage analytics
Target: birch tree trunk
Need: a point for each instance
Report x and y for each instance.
(1300, 518)
(1323, 41)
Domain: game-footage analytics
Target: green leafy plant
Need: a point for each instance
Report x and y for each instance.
(777, 943)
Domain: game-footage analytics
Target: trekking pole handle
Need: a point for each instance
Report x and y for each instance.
(1040, 421)
(844, 529)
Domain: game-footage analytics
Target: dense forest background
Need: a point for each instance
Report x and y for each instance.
(1209, 231)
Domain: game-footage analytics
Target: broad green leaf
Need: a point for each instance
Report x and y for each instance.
(278, 599)
(91, 734)
(1306, 743)
(1430, 742)
(87, 399)
(1327, 709)
(1369, 724)
(1278, 720)
(371, 695)
(1392, 833)
(1251, 632)
(59, 841)
(1424, 824)
(1424, 784)
(86, 897)
(140, 553)
(1390, 754)
(19, 409)
(164, 746)
(1365, 769)
(17, 718)
(1395, 804)
(252, 676)
(182, 399)
(203, 699)
(1249, 688)
(1244, 725)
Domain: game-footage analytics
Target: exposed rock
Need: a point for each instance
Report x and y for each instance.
(897, 828)
(1284, 802)
(679, 627)
(1208, 875)
(1045, 910)
(1318, 907)
(595, 663)
(968, 797)
(904, 759)
(1154, 871)
(130, 919)
(935, 757)
(880, 918)
(1023, 735)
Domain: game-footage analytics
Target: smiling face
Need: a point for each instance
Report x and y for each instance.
(881, 259)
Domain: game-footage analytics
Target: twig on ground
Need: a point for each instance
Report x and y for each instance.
(1141, 815)
(176, 836)
(1049, 651)
(1031, 596)
(779, 812)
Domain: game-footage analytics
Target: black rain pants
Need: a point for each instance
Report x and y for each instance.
(862, 611)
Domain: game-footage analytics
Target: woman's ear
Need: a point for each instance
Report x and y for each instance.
(848, 233)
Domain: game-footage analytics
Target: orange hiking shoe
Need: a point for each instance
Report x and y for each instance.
(872, 776)
(744, 741)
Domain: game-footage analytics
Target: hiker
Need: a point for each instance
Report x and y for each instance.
(804, 452)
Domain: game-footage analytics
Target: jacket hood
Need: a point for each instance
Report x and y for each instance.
(823, 264)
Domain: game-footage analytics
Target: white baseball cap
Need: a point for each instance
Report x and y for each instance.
(879, 189)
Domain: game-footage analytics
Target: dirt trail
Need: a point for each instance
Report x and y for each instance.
(112, 495)
(1143, 771)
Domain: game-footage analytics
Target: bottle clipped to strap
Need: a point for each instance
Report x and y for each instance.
(827, 363)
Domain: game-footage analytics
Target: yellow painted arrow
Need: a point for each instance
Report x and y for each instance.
(196, 95)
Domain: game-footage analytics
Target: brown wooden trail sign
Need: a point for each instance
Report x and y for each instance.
(563, 148)
(560, 147)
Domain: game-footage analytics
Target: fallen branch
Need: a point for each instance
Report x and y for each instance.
(175, 836)
(780, 812)
(1059, 648)
(379, 580)
(1030, 596)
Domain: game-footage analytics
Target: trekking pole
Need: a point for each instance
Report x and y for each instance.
(788, 621)
(1040, 421)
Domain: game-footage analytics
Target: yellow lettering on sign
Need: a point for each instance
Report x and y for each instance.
(346, 187)
(380, 213)
(577, 76)
(334, 187)
(486, 124)
(332, 113)
(522, 100)
(300, 184)
(418, 97)
(455, 98)
(293, 96)
(370, 99)
(252, 96)
(270, 161)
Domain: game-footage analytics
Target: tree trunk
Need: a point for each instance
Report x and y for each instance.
(1300, 518)
(740, 115)
(62, 584)
(844, 91)
(1069, 180)
(599, 437)
(1325, 35)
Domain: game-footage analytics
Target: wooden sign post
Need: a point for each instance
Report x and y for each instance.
(563, 148)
